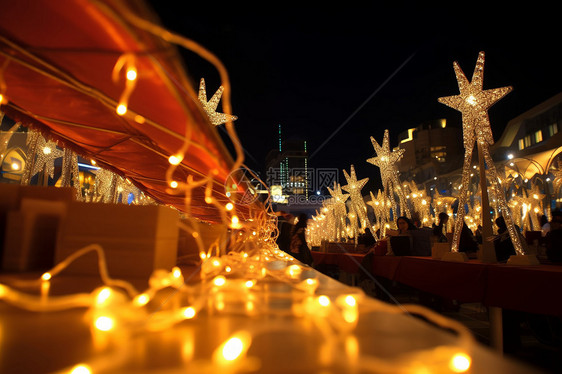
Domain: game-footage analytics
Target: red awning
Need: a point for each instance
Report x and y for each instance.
(57, 59)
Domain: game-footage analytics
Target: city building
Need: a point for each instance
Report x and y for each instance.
(530, 146)
(433, 150)
(287, 170)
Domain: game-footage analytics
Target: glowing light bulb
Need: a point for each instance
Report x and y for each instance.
(232, 349)
(46, 276)
(121, 109)
(2, 99)
(47, 150)
(471, 100)
(208, 199)
(175, 159)
(350, 300)
(229, 206)
(174, 184)
(189, 312)
(15, 166)
(219, 281)
(131, 74)
(460, 363)
(324, 300)
(80, 369)
(249, 283)
(103, 295)
(104, 323)
(176, 272)
(141, 299)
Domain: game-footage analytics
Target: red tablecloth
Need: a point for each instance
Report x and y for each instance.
(533, 289)
(348, 262)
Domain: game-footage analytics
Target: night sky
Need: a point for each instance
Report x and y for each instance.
(335, 77)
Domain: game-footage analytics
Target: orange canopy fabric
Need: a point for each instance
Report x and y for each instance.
(57, 59)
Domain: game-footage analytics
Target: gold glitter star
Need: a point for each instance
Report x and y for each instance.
(47, 152)
(354, 187)
(386, 160)
(473, 103)
(210, 106)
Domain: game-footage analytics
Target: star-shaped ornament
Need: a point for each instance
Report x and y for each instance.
(473, 103)
(337, 194)
(47, 152)
(210, 106)
(353, 186)
(386, 159)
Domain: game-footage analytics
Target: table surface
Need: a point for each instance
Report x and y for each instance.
(35, 342)
(524, 288)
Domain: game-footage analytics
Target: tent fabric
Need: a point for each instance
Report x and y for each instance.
(56, 65)
(538, 163)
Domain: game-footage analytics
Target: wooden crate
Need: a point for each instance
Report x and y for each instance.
(136, 239)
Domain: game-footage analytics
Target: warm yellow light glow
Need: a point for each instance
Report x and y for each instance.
(174, 184)
(219, 281)
(139, 119)
(104, 323)
(47, 150)
(2, 98)
(175, 159)
(249, 283)
(15, 166)
(229, 206)
(121, 109)
(208, 199)
(324, 300)
(141, 299)
(232, 349)
(460, 363)
(80, 369)
(350, 300)
(235, 222)
(176, 272)
(471, 100)
(131, 74)
(228, 269)
(189, 312)
(103, 295)
(46, 276)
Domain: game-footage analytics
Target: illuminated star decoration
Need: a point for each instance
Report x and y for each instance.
(210, 106)
(381, 214)
(340, 209)
(557, 182)
(473, 102)
(46, 153)
(354, 187)
(386, 160)
(70, 175)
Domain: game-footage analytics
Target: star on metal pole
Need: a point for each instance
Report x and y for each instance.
(210, 106)
(354, 187)
(386, 160)
(473, 102)
(340, 210)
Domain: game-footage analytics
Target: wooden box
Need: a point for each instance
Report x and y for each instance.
(136, 239)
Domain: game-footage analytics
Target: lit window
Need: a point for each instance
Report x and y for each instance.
(538, 136)
(528, 141)
(553, 129)
(521, 144)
